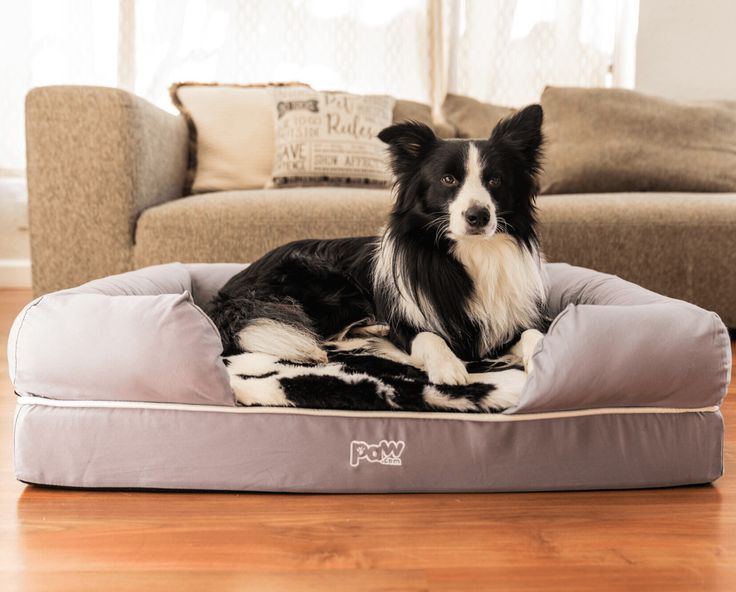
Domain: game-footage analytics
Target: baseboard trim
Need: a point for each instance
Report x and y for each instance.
(15, 273)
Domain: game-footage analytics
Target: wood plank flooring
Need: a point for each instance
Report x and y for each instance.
(668, 539)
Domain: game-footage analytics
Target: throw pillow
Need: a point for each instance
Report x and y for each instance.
(232, 132)
(231, 137)
(330, 138)
(470, 118)
(609, 140)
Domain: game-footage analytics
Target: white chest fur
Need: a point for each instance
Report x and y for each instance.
(508, 285)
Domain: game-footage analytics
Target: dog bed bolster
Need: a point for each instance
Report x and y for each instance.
(615, 344)
(133, 337)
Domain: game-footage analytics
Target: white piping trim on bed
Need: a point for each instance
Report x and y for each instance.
(495, 417)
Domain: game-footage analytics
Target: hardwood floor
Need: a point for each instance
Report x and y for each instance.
(667, 539)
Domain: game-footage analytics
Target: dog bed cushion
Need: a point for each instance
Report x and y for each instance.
(120, 384)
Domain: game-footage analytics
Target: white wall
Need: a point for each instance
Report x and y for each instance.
(686, 49)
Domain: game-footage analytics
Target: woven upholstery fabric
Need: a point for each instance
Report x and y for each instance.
(678, 244)
(606, 140)
(97, 157)
(240, 226)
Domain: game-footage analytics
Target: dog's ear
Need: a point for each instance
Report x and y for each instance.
(522, 133)
(407, 142)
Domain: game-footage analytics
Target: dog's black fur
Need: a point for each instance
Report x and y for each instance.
(323, 286)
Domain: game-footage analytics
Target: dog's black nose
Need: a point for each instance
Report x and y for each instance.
(477, 216)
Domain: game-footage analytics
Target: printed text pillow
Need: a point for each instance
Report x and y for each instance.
(330, 138)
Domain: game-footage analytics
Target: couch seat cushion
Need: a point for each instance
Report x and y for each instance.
(240, 226)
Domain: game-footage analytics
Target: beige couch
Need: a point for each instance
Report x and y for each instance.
(105, 177)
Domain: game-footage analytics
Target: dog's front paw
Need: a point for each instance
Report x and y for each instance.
(525, 348)
(448, 371)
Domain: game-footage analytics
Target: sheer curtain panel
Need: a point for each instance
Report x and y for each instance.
(504, 51)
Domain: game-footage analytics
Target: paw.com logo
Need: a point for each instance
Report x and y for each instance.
(386, 452)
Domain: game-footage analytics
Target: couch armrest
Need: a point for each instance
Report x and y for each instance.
(96, 158)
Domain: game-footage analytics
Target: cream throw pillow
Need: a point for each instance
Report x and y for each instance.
(330, 138)
(231, 131)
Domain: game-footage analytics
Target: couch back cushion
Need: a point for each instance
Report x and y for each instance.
(612, 140)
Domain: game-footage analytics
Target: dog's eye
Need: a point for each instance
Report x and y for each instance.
(494, 182)
(448, 180)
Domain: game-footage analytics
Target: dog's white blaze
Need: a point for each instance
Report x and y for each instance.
(508, 285)
(473, 192)
(279, 339)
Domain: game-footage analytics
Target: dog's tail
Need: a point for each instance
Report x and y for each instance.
(253, 322)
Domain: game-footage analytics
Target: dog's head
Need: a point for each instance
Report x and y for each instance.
(468, 189)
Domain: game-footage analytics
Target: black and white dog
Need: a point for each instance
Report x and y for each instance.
(455, 274)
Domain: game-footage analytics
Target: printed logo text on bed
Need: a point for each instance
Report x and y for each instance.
(386, 452)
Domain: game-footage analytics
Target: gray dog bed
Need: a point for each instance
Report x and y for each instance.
(120, 385)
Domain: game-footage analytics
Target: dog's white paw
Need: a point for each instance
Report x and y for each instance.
(431, 352)
(526, 346)
(449, 370)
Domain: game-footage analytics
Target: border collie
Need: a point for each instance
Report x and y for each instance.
(455, 274)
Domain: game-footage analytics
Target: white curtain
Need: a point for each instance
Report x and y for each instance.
(379, 46)
(503, 51)
(507, 51)
(50, 42)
